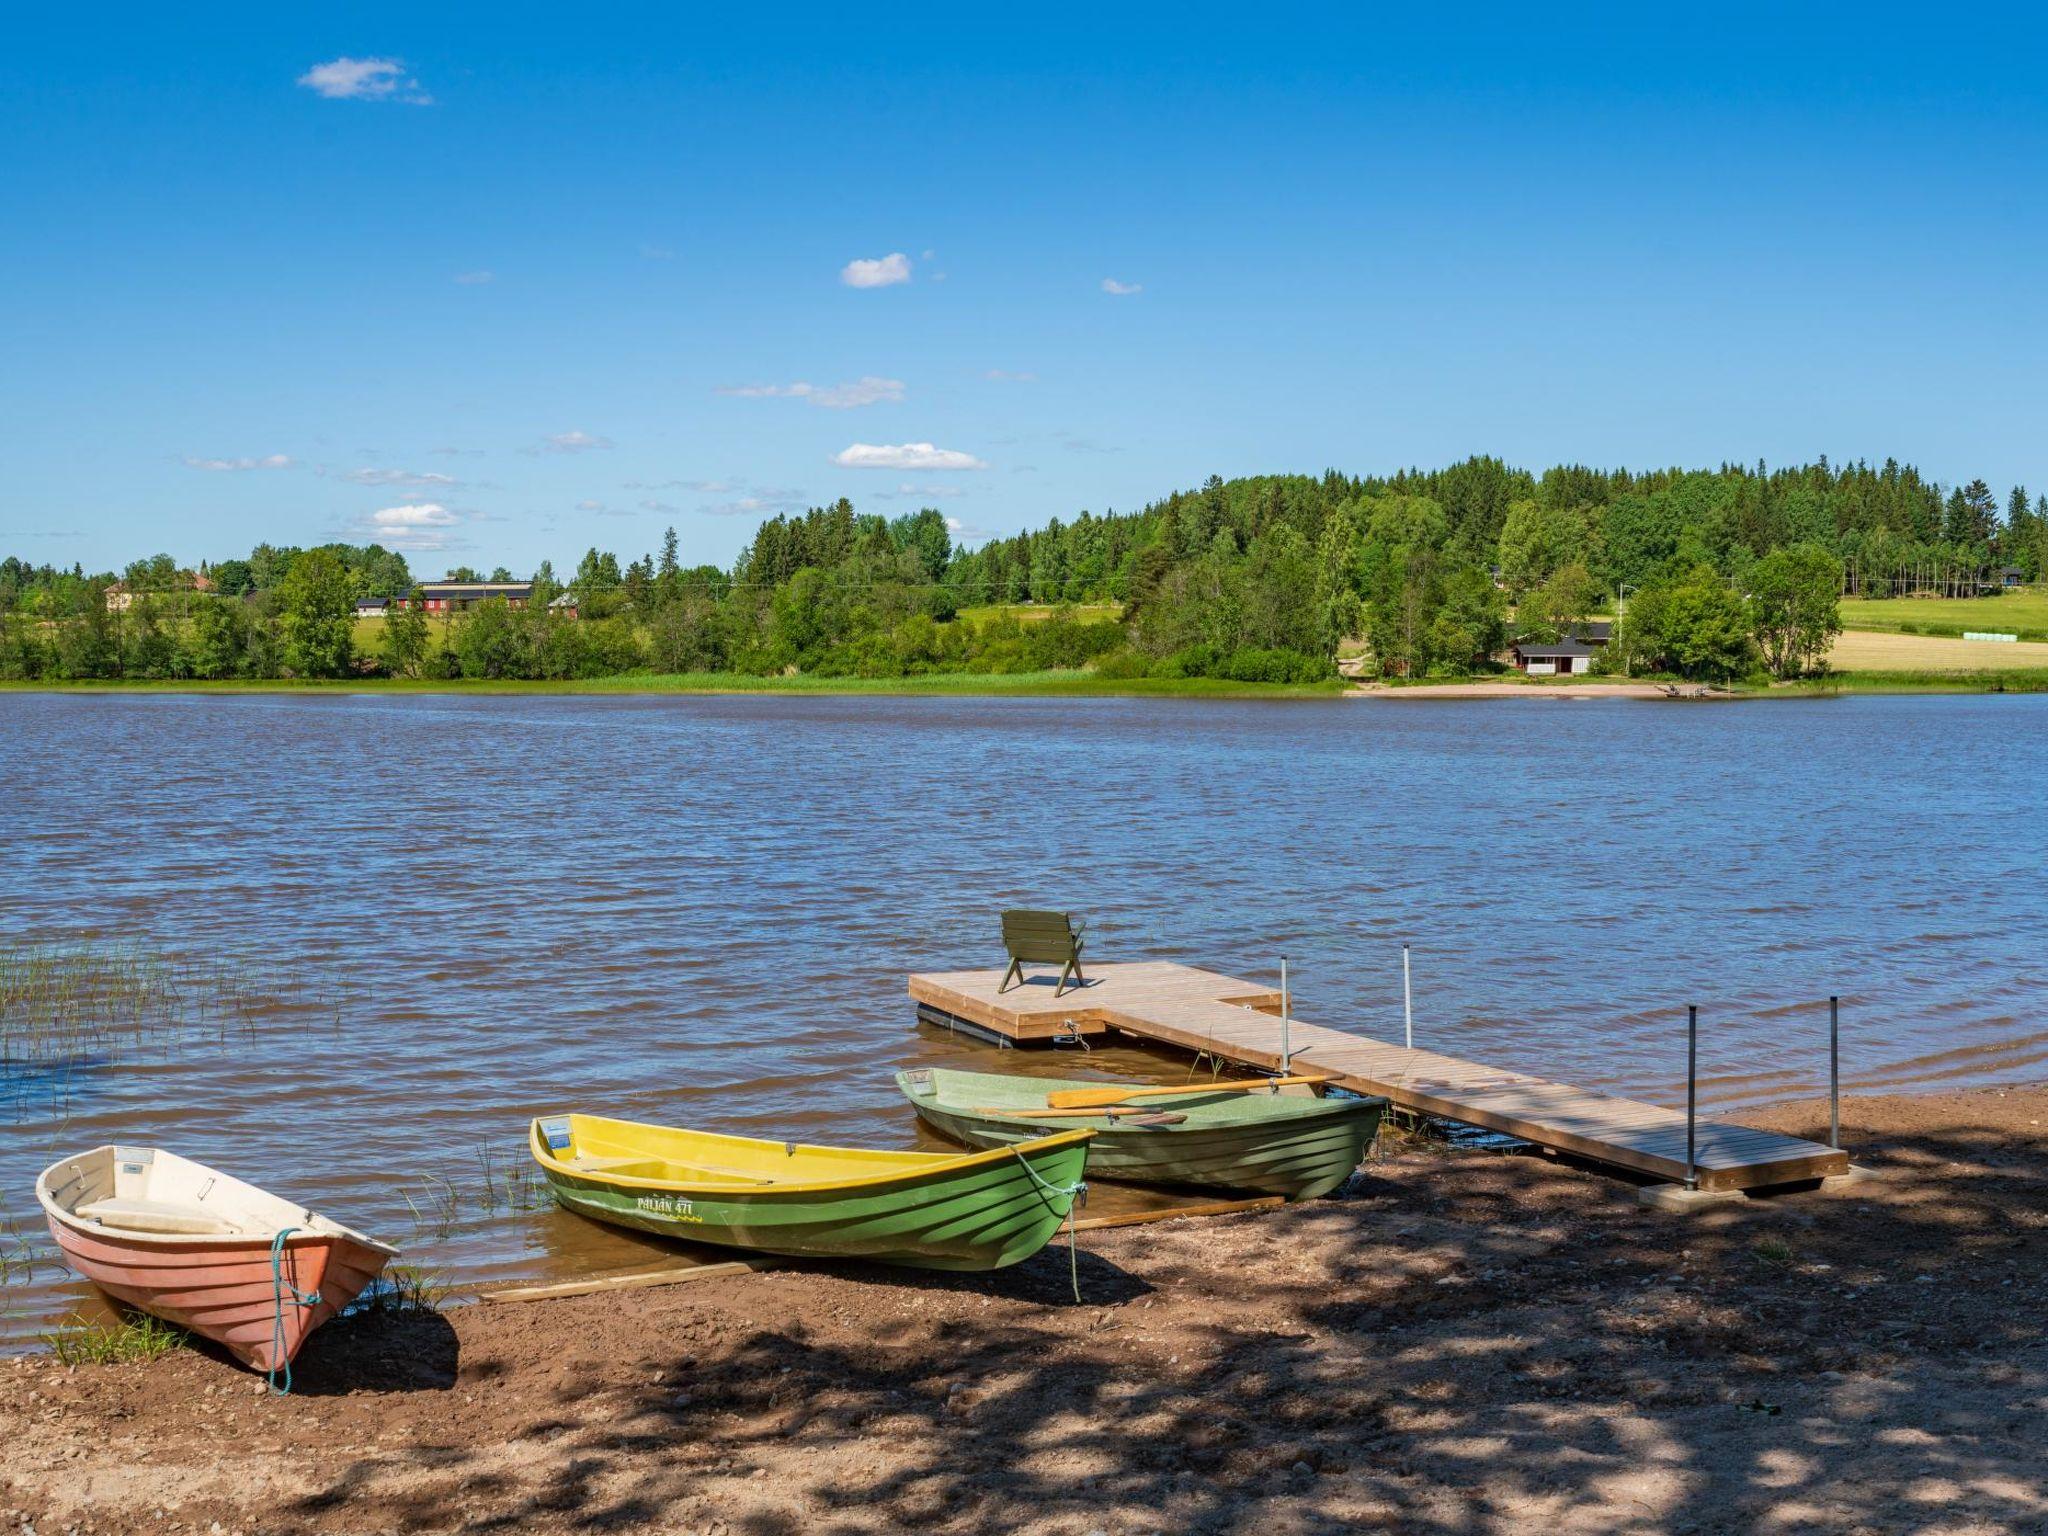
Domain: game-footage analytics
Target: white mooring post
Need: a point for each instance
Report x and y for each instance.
(1407, 1000)
(1286, 1007)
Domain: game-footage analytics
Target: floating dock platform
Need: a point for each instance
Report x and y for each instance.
(1238, 1021)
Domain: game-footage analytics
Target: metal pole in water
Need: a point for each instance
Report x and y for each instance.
(1835, 1072)
(1692, 1077)
(1407, 1000)
(1286, 1008)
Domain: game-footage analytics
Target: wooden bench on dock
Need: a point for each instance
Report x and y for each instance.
(1237, 1021)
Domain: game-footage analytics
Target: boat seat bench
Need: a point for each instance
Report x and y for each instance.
(158, 1216)
(656, 1168)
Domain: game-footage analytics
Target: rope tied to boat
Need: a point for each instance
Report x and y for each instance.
(1074, 1192)
(278, 1286)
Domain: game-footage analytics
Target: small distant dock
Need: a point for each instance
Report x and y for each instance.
(1238, 1021)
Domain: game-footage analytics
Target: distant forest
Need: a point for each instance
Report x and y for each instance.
(1715, 573)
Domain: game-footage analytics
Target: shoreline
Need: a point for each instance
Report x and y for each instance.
(1466, 1340)
(1050, 685)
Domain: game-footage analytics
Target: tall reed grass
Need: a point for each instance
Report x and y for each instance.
(67, 1008)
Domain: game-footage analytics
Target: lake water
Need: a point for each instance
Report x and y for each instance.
(456, 912)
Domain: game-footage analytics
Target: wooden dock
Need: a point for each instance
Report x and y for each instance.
(1238, 1021)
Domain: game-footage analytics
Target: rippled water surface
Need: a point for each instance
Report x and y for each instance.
(454, 912)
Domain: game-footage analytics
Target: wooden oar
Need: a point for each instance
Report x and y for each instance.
(1070, 1097)
(1153, 1116)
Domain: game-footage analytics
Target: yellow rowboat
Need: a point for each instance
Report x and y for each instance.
(979, 1210)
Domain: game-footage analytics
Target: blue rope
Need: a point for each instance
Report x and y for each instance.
(278, 1286)
(1073, 1192)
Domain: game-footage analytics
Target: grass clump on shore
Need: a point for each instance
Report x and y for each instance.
(1995, 680)
(137, 1338)
(402, 1289)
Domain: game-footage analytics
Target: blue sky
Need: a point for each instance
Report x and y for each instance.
(495, 286)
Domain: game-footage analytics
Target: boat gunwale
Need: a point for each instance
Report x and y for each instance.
(940, 1163)
(332, 1231)
(1300, 1109)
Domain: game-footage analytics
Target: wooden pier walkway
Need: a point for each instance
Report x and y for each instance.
(1238, 1021)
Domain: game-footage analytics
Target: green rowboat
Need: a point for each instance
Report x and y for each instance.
(1272, 1143)
(934, 1211)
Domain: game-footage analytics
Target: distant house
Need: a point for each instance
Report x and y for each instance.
(563, 607)
(372, 607)
(454, 596)
(1594, 631)
(2011, 576)
(121, 596)
(1552, 658)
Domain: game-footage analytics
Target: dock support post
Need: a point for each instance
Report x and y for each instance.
(1286, 1008)
(1407, 1001)
(1692, 1093)
(1835, 1072)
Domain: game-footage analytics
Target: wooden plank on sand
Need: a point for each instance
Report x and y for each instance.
(1207, 1208)
(633, 1280)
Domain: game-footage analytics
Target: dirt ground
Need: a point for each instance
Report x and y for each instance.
(1465, 1342)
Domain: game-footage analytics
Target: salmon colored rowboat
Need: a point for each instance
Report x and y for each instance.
(231, 1262)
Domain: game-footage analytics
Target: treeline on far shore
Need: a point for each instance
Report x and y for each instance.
(1714, 574)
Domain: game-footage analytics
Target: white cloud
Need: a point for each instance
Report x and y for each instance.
(746, 506)
(476, 279)
(574, 442)
(268, 461)
(1007, 376)
(759, 501)
(420, 527)
(865, 390)
(346, 79)
(424, 514)
(1111, 285)
(904, 456)
(876, 272)
(411, 479)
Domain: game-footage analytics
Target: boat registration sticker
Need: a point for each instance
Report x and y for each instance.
(556, 1129)
(674, 1207)
(919, 1081)
(134, 1159)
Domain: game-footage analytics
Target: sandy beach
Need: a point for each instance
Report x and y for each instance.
(1617, 689)
(1465, 1342)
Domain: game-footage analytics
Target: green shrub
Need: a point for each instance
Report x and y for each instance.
(1189, 661)
(1121, 663)
(1253, 665)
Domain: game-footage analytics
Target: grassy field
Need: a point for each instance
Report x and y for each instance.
(2023, 613)
(1054, 684)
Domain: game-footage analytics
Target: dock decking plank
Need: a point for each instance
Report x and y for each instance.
(1199, 1010)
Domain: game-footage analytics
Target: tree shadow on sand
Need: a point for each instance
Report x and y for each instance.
(1487, 1344)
